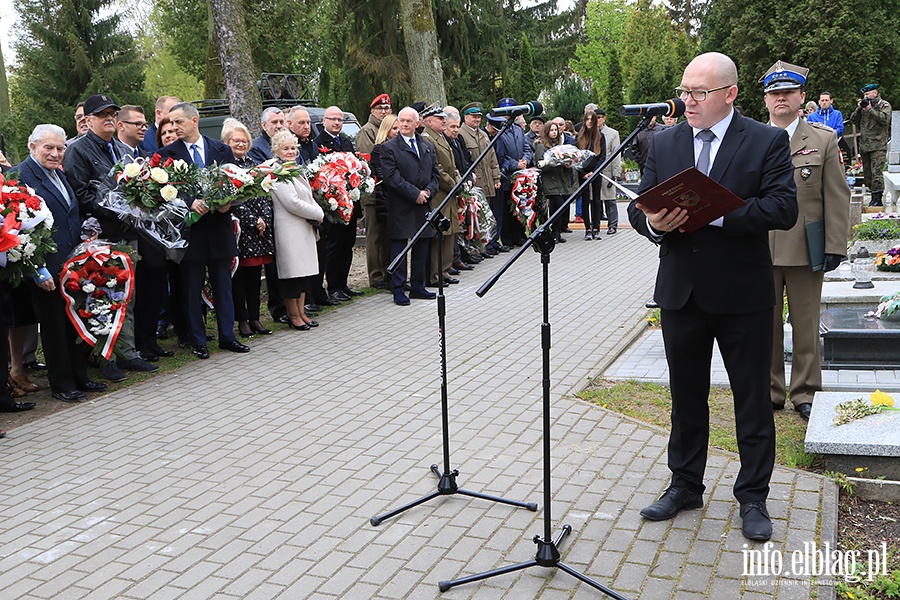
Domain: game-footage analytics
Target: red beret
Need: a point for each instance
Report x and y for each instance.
(382, 99)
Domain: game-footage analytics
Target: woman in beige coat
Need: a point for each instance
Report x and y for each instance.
(296, 212)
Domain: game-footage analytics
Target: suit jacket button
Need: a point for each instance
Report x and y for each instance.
(695, 249)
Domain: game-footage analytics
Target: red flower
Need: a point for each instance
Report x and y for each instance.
(169, 162)
(324, 149)
(155, 160)
(85, 314)
(116, 307)
(99, 280)
(33, 202)
(98, 294)
(237, 183)
(122, 277)
(72, 285)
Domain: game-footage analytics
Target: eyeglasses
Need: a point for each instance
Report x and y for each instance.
(235, 142)
(105, 114)
(138, 124)
(384, 108)
(699, 95)
(332, 118)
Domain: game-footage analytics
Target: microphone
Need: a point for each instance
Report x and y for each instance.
(530, 109)
(669, 108)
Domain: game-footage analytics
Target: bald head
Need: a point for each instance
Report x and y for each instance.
(721, 68)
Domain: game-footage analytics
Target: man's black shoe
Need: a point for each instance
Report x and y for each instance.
(453, 271)
(423, 295)
(14, 406)
(401, 299)
(504, 248)
(111, 372)
(673, 501)
(137, 364)
(70, 396)
(380, 285)
(234, 346)
(92, 386)
(651, 304)
(339, 296)
(777, 407)
(162, 331)
(804, 410)
(351, 292)
(312, 308)
(160, 351)
(201, 351)
(451, 280)
(756, 523)
(329, 301)
(35, 365)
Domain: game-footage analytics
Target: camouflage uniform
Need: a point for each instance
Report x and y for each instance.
(875, 130)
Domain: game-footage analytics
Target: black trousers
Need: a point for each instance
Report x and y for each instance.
(419, 264)
(591, 205)
(66, 359)
(193, 275)
(745, 341)
(339, 251)
(554, 202)
(246, 286)
(151, 291)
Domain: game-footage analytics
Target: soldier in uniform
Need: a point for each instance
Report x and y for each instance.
(873, 117)
(822, 197)
(378, 245)
(435, 122)
(487, 172)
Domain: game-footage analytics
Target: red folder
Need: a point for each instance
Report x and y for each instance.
(704, 199)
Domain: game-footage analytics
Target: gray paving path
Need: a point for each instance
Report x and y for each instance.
(255, 476)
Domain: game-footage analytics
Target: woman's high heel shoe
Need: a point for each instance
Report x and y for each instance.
(257, 327)
(303, 327)
(312, 323)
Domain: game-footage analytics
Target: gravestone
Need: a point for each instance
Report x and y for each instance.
(850, 340)
(894, 146)
(870, 444)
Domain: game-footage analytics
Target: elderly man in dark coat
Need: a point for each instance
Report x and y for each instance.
(410, 169)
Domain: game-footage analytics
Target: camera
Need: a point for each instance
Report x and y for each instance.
(865, 102)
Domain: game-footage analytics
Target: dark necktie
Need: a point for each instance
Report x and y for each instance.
(337, 142)
(112, 151)
(195, 154)
(137, 154)
(412, 143)
(706, 136)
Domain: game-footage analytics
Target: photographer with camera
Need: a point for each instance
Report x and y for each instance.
(873, 117)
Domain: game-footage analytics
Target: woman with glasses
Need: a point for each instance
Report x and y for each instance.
(256, 242)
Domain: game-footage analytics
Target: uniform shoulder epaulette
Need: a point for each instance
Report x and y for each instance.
(821, 126)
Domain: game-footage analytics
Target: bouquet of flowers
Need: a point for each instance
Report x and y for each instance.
(888, 261)
(148, 183)
(97, 282)
(565, 155)
(851, 410)
(524, 196)
(338, 179)
(26, 235)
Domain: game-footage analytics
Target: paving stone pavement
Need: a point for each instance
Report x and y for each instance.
(254, 476)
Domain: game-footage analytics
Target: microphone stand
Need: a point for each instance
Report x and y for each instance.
(544, 241)
(447, 478)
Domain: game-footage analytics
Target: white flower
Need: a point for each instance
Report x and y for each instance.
(14, 254)
(180, 165)
(29, 250)
(24, 238)
(111, 283)
(132, 170)
(313, 168)
(333, 203)
(48, 222)
(354, 195)
(88, 288)
(267, 182)
(168, 192)
(159, 175)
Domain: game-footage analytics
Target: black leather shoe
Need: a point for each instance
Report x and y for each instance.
(160, 351)
(756, 523)
(777, 407)
(111, 372)
(804, 410)
(17, 406)
(339, 296)
(70, 396)
(326, 302)
(453, 271)
(380, 285)
(201, 351)
(312, 323)
(652, 304)
(423, 295)
(312, 308)
(283, 319)
(504, 248)
(351, 292)
(234, 346)
(401, 299)
(449, 280)
(561, 240)
(35, 365)
(258, 328)
(137, 364)
(673, 501)
(92, 386)
(611, 230)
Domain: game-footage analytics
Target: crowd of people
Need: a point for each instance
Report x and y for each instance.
(416, 156)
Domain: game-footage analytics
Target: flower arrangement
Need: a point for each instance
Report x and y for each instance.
(888, 261)
(524, 195)
(338, 179)
(97, 282)
(564, 155)
(852, 410)
(26, 235)
(877, 229)
(148, 183)
(887, 308)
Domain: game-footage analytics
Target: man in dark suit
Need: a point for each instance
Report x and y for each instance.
(66, 362)
(716, 285)
(212, 245)
(163, 105)
(339, 239)
(272, 121)
(411, 175)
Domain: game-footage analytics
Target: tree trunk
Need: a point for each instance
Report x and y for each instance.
(4, 89)
(213, 82)
(238, 70)
(420, 37)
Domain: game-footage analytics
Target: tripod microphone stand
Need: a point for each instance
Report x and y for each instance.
(544, 241)
(446, 478)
